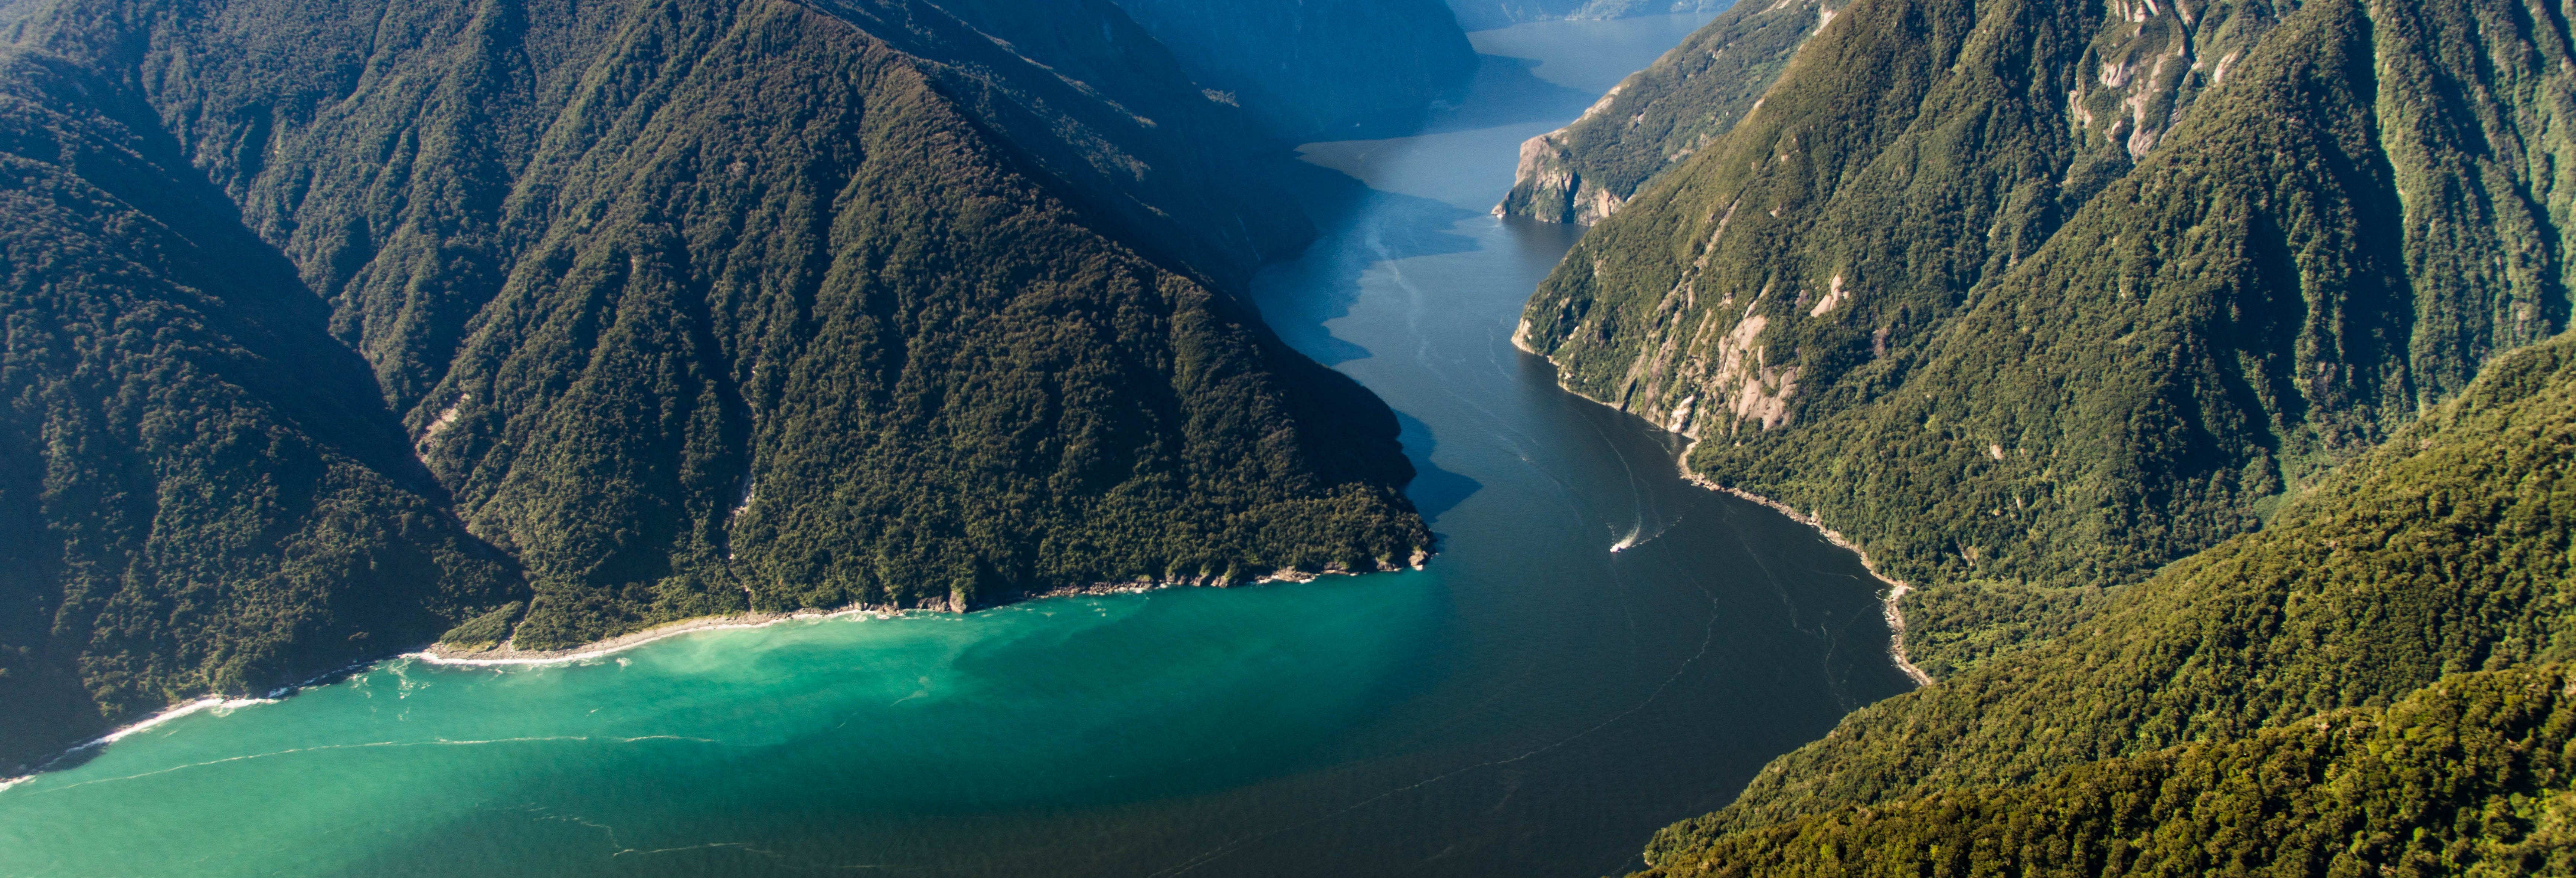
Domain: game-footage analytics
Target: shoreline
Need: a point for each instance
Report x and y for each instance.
(200, 704)
(1888, 603)
(505, 656)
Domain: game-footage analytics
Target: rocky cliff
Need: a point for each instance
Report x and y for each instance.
(1908, 290)
(1659, 116)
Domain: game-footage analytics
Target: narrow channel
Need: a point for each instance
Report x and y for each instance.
(1532, 704)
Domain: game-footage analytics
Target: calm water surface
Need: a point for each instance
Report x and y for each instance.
(1533, 704)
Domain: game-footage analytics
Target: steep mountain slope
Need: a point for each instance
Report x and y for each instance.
(198, 488)
(2446, 558)
(681, 306)
(1319, 69)
(1658, 116)
(2020, 346)
(2471, 776)
(1099, 103)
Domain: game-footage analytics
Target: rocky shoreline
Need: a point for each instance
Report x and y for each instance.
(505, 654)
(1888, 601)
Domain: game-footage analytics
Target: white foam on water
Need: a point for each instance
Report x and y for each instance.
(217, 703)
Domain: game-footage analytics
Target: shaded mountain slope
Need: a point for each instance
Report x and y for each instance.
(2019, 347)
(198, 489)
(2444, 552)
(1319, 69)
(1098, 103)
(676, 306)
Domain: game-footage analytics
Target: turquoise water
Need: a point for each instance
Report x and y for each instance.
(1532, 704)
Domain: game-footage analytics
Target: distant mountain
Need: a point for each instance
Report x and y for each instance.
(1319, 69)
(336, 326)
(1661, 115)
(1485, 14)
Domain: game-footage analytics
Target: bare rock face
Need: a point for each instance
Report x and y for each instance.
(2042, 295)
(1587, 170)
(1549, 183)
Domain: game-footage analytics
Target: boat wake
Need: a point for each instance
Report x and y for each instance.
(1637, 536)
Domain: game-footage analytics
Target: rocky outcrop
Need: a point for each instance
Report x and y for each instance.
(2043, 296)
(1549, 183)
(1587, 170)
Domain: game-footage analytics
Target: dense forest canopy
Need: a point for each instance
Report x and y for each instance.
(335, 326)
(2375, 681)
(2199, 365)
(2032, 298)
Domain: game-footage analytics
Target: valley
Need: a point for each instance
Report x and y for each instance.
(1286, 437)
(1460, 719)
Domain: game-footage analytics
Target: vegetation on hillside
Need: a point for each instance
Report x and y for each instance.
(2475, 776)
(2165, 351)
(1659, 116)
(540, 323)
(2369, 681)
(2021, 349)
(2451, 548)
(199, 491)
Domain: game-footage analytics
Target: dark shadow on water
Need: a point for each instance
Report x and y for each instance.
(1363, 227)
(1434, 490)
(1507, 93)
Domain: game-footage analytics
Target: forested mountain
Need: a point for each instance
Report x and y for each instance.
(1319, 69)
(2470, 776)
(2374, 682)
(2033, 297)
(336, 324)
(199, 487)
(1659, 116)
(2200, 367)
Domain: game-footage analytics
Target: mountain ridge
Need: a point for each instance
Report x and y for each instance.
(2203, 371)
(1806, 361)
(636, 312)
